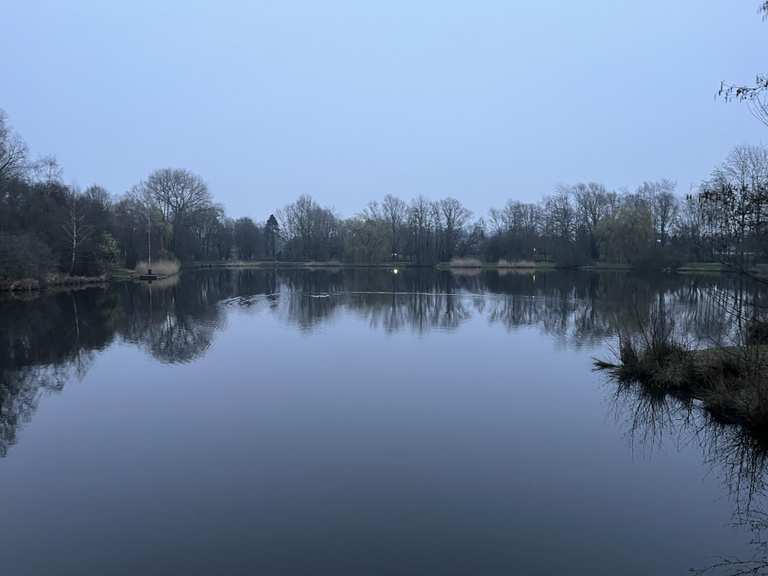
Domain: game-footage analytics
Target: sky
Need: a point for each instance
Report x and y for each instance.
(348, 101)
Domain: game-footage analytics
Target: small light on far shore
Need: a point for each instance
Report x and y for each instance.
(395, 271)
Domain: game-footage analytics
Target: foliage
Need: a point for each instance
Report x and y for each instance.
(24, 256)
(107, 253)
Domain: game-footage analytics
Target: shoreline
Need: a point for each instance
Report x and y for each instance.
(124, 275)
(54, 281)
(689, 267)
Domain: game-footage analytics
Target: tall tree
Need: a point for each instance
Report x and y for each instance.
(178, 194)
(271, 236)
(593, 203)
(454, 217)
(247, 239)
(77, 230)
(394, 212)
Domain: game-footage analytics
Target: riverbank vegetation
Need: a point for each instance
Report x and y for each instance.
(727, 377)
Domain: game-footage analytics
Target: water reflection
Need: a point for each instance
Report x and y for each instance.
(740, 460)
(46, 341)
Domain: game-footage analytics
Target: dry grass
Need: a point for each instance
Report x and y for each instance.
(700, 267)
(656, 361)
(159, 267)
(465, 263)
(465, 272)
(730, 382)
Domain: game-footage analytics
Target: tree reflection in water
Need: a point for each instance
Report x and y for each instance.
(51, 340)
(734, 455)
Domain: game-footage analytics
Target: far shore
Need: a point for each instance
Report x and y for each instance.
(457, 265)
(468, 264)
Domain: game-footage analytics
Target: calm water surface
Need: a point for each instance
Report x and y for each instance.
(357, 422)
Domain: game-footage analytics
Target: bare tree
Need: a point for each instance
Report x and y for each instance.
(47, 170)
(420, 224)
(754, 95)
(310, 230)
(77, 232)
(394, 211)
(13, 150)
(297, 221)
(663, 205)
(560, 215)
(454, 217)
(593, 203)
(737, 198)
(177, 192)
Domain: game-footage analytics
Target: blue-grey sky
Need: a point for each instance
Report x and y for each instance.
(351, 100)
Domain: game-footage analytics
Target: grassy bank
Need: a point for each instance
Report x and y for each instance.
(701, 267)
(731, 383)
(50, 281)
(160, 270)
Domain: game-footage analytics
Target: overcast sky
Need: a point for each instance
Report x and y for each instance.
(348, 101)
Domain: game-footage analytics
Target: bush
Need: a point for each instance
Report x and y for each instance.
(108, 253)
(24, 256)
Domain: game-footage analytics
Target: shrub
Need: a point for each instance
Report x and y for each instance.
(108, 253)
(24, 256)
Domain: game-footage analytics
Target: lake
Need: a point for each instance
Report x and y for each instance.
(360, 421)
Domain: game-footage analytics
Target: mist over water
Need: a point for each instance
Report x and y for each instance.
(356, 421)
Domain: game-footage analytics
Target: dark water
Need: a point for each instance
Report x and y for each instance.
(359, 422)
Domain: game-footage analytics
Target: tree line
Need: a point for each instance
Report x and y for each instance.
(47, 226)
